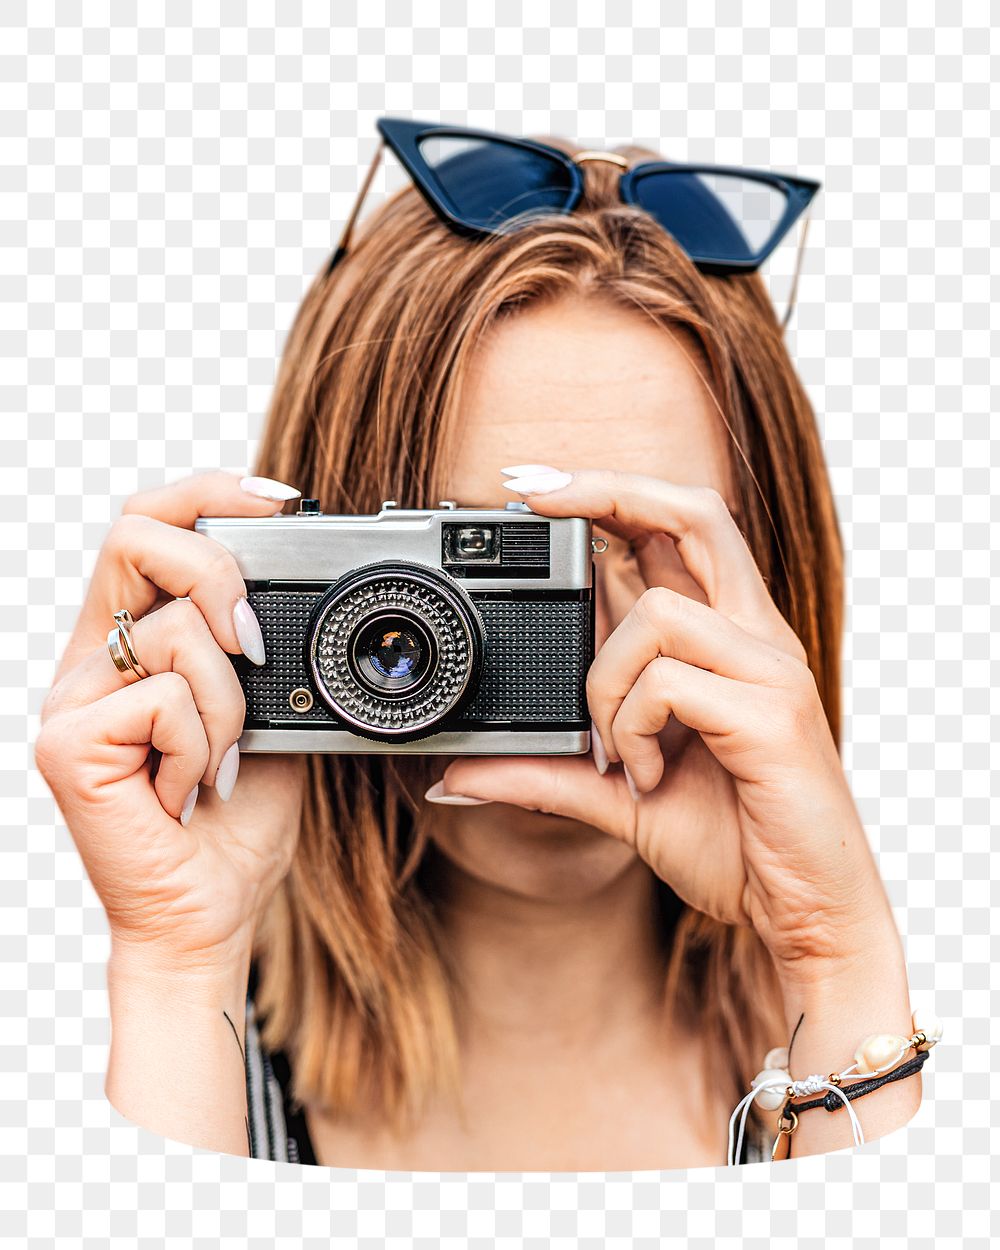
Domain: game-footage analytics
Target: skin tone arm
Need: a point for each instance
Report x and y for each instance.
(176, 1061)
(840, 1005)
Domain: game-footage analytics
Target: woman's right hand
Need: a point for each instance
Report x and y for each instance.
(183, 862)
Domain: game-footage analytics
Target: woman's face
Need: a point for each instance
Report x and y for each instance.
(574, 383)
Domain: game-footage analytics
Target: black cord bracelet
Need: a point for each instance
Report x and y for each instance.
(858, 1089)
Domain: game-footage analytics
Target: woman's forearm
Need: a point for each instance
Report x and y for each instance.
(840, 1004)
(176, 1064)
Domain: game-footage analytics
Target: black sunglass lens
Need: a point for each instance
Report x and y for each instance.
(493, 185)
(720, 217)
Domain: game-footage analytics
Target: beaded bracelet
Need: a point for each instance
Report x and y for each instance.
(788, 1120)
(878, 1054)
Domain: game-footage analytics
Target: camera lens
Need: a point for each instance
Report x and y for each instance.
(391, 654)
(395, 649)
(395, 653)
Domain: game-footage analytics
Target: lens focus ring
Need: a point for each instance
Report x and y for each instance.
(394, 649)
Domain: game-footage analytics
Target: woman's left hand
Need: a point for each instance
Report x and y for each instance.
(734, 792)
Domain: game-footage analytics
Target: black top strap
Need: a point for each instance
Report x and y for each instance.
(295, 1120)
(276, 1122)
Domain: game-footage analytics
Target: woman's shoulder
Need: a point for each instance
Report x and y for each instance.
(275, 1123)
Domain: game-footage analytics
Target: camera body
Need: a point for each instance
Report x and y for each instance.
(462, 631)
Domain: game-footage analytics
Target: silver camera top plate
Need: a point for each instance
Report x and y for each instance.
(316, 546)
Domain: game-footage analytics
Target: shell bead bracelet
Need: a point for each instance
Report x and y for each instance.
(773, 1086)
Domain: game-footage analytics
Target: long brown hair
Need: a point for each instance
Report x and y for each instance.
(353, 979)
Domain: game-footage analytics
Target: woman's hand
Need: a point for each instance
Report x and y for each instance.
(732, 788)
(182, 852)
(185, 860)
(734, 795)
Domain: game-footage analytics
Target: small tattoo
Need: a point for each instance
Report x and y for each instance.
(792, 1042)
(246, 1118)
(235, 1034)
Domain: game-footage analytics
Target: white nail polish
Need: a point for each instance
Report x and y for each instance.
(188, 807)
(631, 785)
(597, 750)
(539, 483)
(225, 778)
(268, 488)
(436, 794)
(248, 633)
(520, 470)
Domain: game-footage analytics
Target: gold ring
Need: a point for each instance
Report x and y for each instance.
(120, 645)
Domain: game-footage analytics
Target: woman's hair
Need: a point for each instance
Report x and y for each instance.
(353, 976)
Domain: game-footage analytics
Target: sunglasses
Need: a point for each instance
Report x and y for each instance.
(727, 220)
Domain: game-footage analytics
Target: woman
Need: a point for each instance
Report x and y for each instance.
(557, 963)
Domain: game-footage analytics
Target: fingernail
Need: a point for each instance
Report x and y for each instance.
(248, 633)
(516, 470)
(188, 807)
(268, 488)
(436, 794)
(631, 784)
(597, 750)
(539, 483)
(229, 769)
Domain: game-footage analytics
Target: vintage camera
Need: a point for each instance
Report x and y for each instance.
(464, 631)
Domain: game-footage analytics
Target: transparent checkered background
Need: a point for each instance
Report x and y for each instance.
(167, 192)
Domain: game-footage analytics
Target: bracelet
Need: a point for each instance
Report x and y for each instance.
(831, 1103)
(788, 1120)
(876, 1061)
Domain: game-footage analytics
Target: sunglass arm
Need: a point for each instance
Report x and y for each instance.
(345, 237)
(793, 292)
